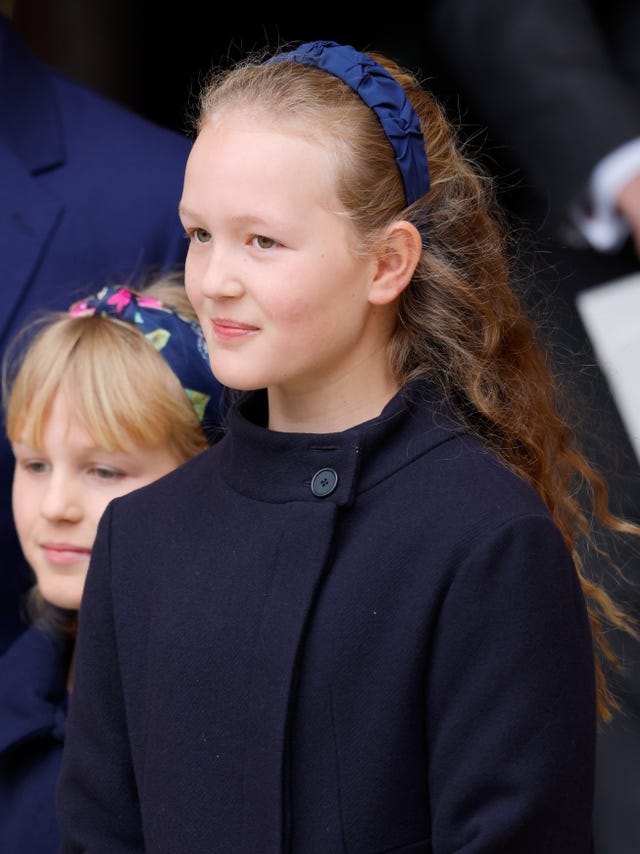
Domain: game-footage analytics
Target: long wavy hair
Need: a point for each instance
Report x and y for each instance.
(460, 322)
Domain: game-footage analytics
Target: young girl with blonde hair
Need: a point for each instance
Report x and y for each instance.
(99, 401)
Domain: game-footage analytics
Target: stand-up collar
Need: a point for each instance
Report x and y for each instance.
(280, 467)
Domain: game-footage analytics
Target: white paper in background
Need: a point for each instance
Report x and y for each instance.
(611, 316)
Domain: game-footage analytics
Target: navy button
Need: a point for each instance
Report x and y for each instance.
(324, 482)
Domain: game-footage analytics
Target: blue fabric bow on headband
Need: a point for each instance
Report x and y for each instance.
(178, 340)
(384, 95)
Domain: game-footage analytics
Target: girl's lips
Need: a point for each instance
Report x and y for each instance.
(228, 330)
(64, 553)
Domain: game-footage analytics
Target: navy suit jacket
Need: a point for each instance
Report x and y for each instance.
(89, 193)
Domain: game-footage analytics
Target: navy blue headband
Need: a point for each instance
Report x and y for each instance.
(178, 340)
(384, 95)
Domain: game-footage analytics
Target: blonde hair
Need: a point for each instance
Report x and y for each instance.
(460, 323)
(119, 386)
(121, 389)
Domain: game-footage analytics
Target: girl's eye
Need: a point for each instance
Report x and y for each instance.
(263, 242)
(103, 473)
(200, 235)
(35, 466)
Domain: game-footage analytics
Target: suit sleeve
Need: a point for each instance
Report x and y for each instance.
(547, 81)
(97, 797)
(511, 719)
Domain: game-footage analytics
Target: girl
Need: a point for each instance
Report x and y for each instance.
(358, 623)
(104, 400)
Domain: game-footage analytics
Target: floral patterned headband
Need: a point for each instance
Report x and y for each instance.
(178, 340)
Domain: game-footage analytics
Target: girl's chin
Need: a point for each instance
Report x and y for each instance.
(68, 599)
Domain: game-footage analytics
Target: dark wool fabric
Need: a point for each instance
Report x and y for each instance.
(401, 664)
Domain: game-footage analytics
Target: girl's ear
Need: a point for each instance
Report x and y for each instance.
(398, 258)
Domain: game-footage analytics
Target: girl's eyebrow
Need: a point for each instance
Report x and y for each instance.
(254, 221)
(23, 445)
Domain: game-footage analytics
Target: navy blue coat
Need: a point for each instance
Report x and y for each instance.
(89, 194)
(272, 660)
(33, 715)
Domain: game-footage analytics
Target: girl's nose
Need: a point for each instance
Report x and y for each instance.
(221, 277)
(62, 499)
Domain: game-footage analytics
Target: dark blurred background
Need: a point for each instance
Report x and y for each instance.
(152, 59)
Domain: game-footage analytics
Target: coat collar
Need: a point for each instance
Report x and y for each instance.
(278, 467)
(33, 694)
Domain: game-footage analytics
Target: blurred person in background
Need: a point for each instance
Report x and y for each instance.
(89, 192)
